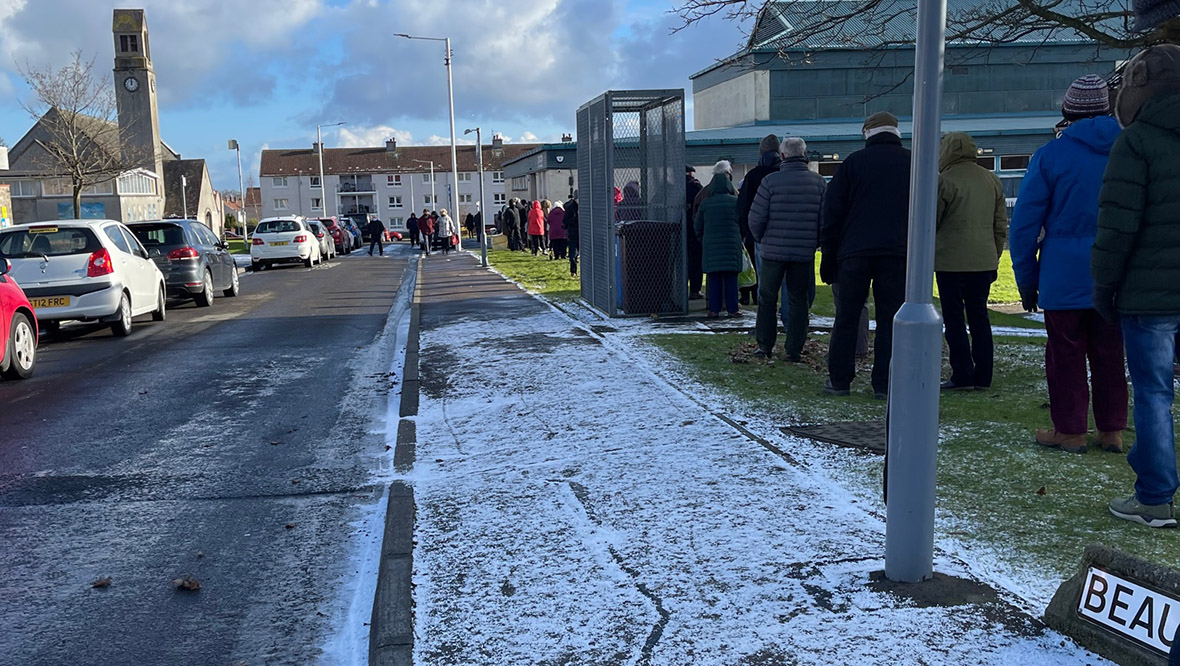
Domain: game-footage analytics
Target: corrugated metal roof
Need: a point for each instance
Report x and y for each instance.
(380, 160)
(851, 128)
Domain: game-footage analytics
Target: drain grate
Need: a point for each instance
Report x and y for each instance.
(867, 435)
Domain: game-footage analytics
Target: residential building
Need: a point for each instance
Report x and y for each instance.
(548, 171)
(189, 193)
(390, 181)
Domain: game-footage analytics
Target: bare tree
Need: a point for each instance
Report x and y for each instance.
(865, 23)
(80, 133)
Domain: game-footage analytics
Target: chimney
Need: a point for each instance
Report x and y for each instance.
(567, 138)
(391, 145)
(315, 147)
(497, 142)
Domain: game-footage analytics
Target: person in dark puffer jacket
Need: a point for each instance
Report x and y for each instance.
(784, 222)
(1136, 268)
(716, 225)
(863, 241)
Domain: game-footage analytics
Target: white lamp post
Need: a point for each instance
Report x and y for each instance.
(233, 145)
(319, 142)
(451, 94)
(483, 237)
(433, 196)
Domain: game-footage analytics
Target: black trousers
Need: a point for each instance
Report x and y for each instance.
(886, 277)
(574, 251)
(799, 277)
(559, 246)
(695, 259)
(972, 360)
(375, 241)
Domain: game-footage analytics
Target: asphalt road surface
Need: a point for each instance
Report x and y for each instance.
(238, 444)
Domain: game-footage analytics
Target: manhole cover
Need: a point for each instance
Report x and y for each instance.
(868, 435)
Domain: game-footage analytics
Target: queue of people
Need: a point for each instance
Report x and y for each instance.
(543, 227)
(434, 227)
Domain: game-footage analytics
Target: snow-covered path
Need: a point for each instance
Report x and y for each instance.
(574, 508)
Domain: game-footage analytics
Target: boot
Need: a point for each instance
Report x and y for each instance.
(1111, 441)
(1069, 443)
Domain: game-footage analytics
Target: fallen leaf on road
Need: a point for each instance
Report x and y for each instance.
(290, 526)
(200, 554)
(188, 583)
(143, 392)
(105, 581)
(275, 443)
(388, 447)
(1041, 491)
(294, 482)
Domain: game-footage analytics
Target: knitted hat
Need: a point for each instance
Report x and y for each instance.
(1087, 97)
(1150, 13)
(879, 119)
(769, 144)
(688, 168)
(1153, 70)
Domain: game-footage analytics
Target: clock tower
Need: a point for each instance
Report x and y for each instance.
(135, 90)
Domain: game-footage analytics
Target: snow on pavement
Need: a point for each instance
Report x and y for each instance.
(574, 508)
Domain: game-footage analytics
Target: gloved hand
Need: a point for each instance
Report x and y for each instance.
(827, 268)
(1028, 298)
(1104, 298)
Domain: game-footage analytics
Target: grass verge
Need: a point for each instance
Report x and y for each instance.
(543, 275)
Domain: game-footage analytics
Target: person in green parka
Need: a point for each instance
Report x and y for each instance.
(716, 224)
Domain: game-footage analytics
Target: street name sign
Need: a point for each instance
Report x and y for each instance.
(1144, 615)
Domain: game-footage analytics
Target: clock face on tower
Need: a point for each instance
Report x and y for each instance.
(131, 84)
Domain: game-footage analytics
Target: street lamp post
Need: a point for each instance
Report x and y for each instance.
(483, 223)
(233, 145)
(433, 196)
(319, 142)
(917, 332)
(451, 95)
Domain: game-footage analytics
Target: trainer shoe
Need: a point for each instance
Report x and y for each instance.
(948, 385)
(1070, 443)
(1152, 515)
(832, 390)
(1111, 441)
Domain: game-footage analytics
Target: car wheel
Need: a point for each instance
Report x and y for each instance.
(205, 298)
(158, 314)
(255, 266)
(122, 326)
(309, 262)
(51, 327)
(22, 348)
(233, 284)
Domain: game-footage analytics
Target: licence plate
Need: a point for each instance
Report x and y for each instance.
(277, 243)
(50, 302)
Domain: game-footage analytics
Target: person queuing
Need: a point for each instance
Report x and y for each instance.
(546, 208)
(426, 230)
(972, 228)
(469, 225)
(1053, 228)
(1136, 269)
(863, 241)
(511, 217)
(785, 222)
(376, 231)
(692, 188)
(768, 163)
(536, 221)
(412, 229)
(716, 224)
(557, 234)
(573, 233)
(448, 231)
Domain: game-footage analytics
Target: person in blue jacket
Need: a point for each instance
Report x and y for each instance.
(1052, 230)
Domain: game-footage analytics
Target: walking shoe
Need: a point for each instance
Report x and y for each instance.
(948, 385)
(696, 296)
(832, 390)
(761, 353)
(1152, 515)
(1070, 443)
(1111, 441)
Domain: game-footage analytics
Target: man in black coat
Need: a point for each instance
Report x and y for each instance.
(768, 163)
(863, 240)
(573, 232)
(692, 187)
(376, 235)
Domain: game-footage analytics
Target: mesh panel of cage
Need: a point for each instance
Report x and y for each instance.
(631, 202)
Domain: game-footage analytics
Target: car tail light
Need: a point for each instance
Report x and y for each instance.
(99, 264)
(257, 241)
(183, 253)
(320, 235)
(300, 238)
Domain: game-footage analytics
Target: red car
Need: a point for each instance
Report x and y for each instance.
(339, 235)
(18, 328)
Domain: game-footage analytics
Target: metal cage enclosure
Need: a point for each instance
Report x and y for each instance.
(631, 202)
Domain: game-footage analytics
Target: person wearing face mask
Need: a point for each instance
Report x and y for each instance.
(863, 240)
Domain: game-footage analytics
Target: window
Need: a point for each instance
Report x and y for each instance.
(465, 198)
(129, 43)
(133, 243)
(394, 180)
(117, 238)
(23, 188)
(47, 240)
(465, 177)
(315, 181)
(398, 222)
(427, 178)
(497, 176)
(499, 198)
(429, 199)
(987, 162)
(520, 184)
(828, 169)
(279, 181)
(395, 201)
(1014, 162)
(137, 182)
(317, 203)
(57, 187)
(282, 204)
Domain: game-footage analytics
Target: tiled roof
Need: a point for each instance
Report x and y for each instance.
(253, 196)
(342, 161)
(194, 173)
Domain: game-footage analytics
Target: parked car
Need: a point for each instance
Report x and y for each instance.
(85, 270)
(341, 239)
(18, 328)
(283, 240)
(353, 231)
(195, 263)
(327, 245)
(361, 220)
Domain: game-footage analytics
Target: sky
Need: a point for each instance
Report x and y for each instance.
(266, 72)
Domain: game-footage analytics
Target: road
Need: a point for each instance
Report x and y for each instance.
(241, 445)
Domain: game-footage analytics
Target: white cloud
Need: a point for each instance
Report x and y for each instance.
(528, 137)
(360, 137)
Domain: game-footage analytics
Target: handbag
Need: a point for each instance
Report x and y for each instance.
(454, 240)
(748, 277)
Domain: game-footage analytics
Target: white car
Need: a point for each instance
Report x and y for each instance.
(283, 239)
(327, 245)
(85, 270)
